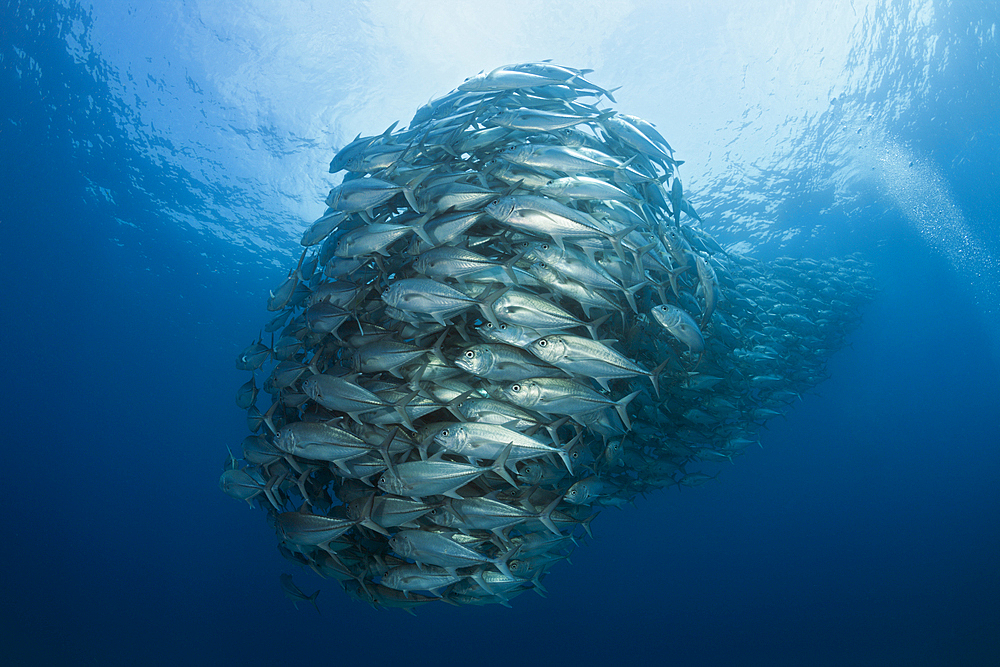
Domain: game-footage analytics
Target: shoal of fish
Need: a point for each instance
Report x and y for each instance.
(508, 319)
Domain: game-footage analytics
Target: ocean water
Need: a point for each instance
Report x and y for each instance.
(160, 160)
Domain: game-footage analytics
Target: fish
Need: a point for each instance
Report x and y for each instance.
(588, 358)
(477, 441)
(680, 325)
(498, 362)
(295, 594)
(564, 397)
(508, 318)
(435, 476)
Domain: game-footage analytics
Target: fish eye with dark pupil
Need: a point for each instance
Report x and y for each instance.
(515, 387)
(542, 342)
(469, 354)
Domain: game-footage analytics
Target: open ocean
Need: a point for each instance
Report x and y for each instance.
(160, 160)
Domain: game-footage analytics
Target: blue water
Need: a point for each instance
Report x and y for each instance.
(159, 160)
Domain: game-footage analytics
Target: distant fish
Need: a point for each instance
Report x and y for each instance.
(295, 594)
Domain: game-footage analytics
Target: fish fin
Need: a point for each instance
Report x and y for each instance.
(478, 578)
(486, 301)
(622, 412)
(593, 326)
(655, 376)
(546, 515)
(383, 449)
(500, 465)
(312, 598)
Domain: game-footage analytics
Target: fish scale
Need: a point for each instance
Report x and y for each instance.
(419, 278)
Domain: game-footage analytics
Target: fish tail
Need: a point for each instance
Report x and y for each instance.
(546, 516)
(312, 598)
(622, 412)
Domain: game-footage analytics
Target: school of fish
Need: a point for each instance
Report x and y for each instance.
(507, 320)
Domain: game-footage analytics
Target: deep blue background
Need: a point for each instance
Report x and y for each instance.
(864, 531)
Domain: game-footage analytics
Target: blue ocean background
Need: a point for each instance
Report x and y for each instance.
(160, 160)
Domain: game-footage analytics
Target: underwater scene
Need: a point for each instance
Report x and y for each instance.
(429, 332)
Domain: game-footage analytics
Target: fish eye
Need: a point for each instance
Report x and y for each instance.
(542, 342)
(515, 387)
(503, 327)
(545, 246)
(444, 432)
(469, 354)
(495, 202)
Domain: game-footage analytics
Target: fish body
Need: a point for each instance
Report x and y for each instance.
(499, 362)
(295, 594)
(586, 357)
(311, 530)
(442, 550)
(564, 397)
(681, 326)
(362, 194)
(419, 479)
(534, 312)
(487, 441)
(319, 442)
(428, 297)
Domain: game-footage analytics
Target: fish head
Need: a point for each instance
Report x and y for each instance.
(613, 450)
(542, 271)
(523, 393)
(579, 493)
(391, 483)
(391, 295)
(501, 208)
(344, 248)
(400, 544)
(476, 360)
(356, 508)
(549, 348)
(542, 251)
(451, 437)
(473, 83)
(311, 388)
(285, 439)
(705, 271)
(423, 263)
(531, 473)
(667, 315)
(519, 567)
(355, 163)
(505, 333)
(443, 516)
